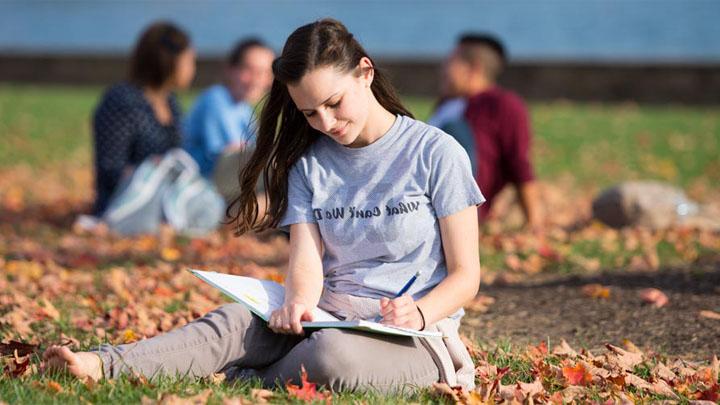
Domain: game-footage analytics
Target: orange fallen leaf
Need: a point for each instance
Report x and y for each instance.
(307, 391)
(129, 336)
(54, 386)
(596, 291)
(577, 375)
(170, 254)
(654, 297)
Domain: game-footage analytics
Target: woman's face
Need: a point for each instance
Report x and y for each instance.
(335, 103)
(185, 69)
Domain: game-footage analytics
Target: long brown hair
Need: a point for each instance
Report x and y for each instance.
(284, 133)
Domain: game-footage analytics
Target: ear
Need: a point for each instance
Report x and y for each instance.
(366, 71)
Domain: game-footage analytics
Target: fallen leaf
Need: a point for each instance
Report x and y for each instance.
(170, 254)
(596, 291)
(261, 396)
(710, 314)
(654, 297)
(129, 336)
(564, 349)
(173, 399)
(624, 359)
(54, 386)
(576, 375)
(664, 372)
(630, 346)
(444, 390)
(307, 391)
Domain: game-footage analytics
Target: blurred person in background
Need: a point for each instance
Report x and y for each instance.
(220, 128)
(490, 122)
(141, 117)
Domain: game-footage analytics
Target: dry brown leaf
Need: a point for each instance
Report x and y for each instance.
(444, 390)
(173, 399)
(710, 314)
(237, 401)
(624, 359)
(564, 349)
(261, 396)
(630, 346)
(664, 372)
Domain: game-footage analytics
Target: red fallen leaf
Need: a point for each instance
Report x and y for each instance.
(548, 253)
(577, 375)
(307, 391)
(711, 394)
(23, 349)
(162, 291)
(539, 351)
(654, 297)
(83, 260)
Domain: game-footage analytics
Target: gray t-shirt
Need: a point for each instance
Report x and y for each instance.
(377, 207)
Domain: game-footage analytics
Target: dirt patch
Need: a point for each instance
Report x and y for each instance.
(556, 308)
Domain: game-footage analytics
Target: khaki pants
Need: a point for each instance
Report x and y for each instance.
(232, 340)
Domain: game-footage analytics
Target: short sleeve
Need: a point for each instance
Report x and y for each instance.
(300, 196)
(452, 186)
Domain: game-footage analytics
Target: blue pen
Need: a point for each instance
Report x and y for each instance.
(402, 291)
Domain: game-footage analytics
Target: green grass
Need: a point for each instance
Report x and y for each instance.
(35, 390)
(596, 144)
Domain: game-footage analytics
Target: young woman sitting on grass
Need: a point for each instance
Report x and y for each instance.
(370, 196)
(140, 117)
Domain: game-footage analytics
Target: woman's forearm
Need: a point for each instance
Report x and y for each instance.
(304, 281)
(303, 285)
(459, 287)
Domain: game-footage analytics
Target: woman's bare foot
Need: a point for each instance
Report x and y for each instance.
(81, 364)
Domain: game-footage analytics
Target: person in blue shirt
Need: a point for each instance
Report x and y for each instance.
(221, 120)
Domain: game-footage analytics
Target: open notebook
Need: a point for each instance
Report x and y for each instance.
(262, 297)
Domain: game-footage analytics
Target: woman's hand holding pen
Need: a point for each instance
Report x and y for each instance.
(401, 311)
(286, 319)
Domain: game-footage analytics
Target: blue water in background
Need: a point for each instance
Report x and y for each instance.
(602, 30)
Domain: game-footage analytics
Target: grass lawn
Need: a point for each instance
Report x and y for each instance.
(67, 281)
(596, 144)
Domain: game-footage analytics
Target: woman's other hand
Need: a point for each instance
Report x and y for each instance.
(402, 312)
(286, 319)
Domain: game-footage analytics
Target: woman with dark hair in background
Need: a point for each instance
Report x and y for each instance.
(372, 198)
(141, 117)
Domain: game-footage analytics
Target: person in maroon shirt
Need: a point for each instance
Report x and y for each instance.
(497, 120)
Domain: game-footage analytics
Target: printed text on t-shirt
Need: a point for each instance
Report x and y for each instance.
(354, 212)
